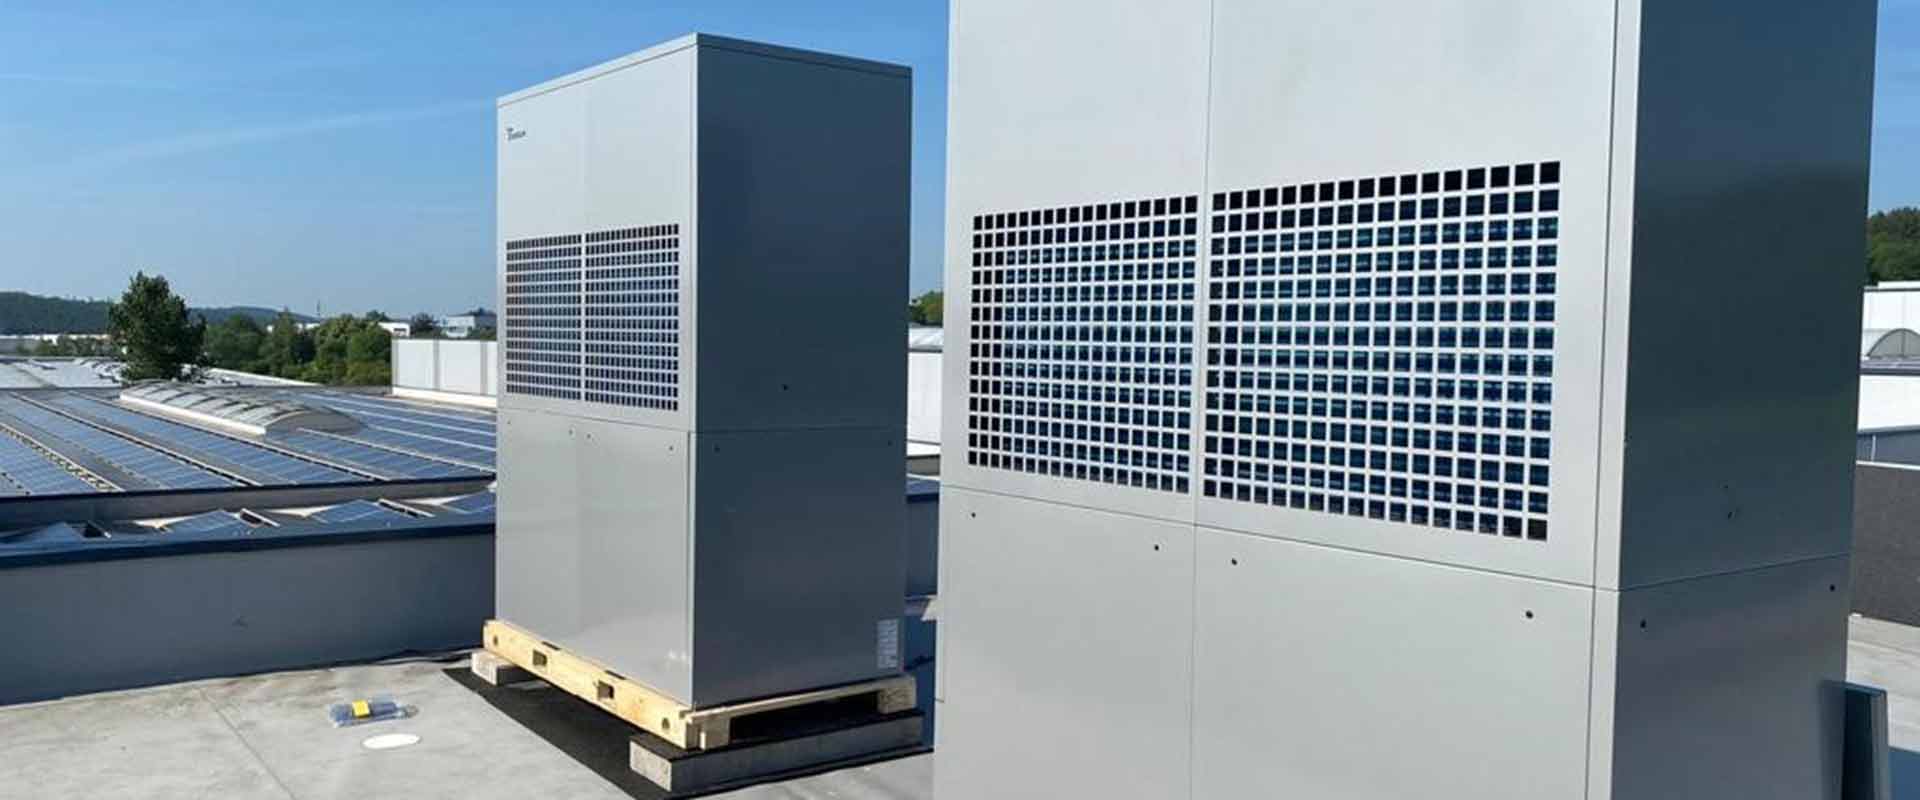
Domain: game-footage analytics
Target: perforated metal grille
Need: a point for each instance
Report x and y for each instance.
(595, 317)
(1081, 361)
(1383, 347)
(633, 317)
(542, 325)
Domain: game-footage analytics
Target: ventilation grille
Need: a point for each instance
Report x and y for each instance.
(542, 325)
(1082, 346)
(595, 317)
(633, 317)
(1383, 347)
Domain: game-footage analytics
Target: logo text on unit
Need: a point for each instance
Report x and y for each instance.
(515, 133)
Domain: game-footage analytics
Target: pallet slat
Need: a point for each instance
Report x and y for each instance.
(652, 711)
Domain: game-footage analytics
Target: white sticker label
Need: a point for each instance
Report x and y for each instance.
(886, 643)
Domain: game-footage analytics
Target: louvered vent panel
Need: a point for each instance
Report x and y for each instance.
(542, 326)
(633, 317)
(1383, 348)
(596, 317)
(1082, 337)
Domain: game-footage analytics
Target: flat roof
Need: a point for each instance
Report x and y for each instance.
(267, 736)
(706, 40)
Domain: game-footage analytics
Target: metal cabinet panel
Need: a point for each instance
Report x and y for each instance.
(798, 560)
(537, 538)
(802, 230)
(1312, 95)
(593, 547)
(1739, 367)
(1340, 674)
(1056, 106)
(1065, 647)
(1726, 686)
(633, 571)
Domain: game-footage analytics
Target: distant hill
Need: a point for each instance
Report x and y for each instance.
(263, 315)
(21, 312)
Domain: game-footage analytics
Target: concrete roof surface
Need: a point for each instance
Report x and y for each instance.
(267, 736)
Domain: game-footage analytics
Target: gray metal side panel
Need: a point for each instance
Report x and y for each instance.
(1327, 673)
(593, 542)
(798, 560)
(803, 228)
(1065, 652)
(1741, 374)
(1733, 689)
(923, 547)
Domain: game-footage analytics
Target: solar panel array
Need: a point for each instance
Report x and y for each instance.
(160, 468)
(358, 511)
(388, 464)
(477, 503)
(466, 439)
(24, 470)
(142, 450)
(211, 523)
(257, 463)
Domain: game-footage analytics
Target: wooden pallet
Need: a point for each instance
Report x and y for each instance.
(682, 725)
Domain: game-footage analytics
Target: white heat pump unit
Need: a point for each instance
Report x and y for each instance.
(703, 251)
(1389, 399)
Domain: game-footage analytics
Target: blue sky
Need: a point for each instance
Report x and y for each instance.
(342, 153)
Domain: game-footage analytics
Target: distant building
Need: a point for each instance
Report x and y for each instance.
(27, 343)
(397, 330)
(460, 326)
(1891, 305)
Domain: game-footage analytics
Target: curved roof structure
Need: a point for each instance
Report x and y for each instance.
(257, 416)
(1889, 343)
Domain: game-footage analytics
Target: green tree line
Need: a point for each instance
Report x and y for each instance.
(155, 334)
(345, 350)
(21, 312)
(1893, 245)
(927, 309)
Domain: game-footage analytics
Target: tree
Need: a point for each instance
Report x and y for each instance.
(287, 349)
(482, 334)
(152, 324)
(927, 309)
(237, 342)
(423, 324)
(1893, 245)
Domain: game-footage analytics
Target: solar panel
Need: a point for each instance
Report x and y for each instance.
(921, 487)
(385, 463)
(426, 445)
(24, 470)
(462, 435)
(368, 408)
(212, 522)
(358, 511)
(46, 534)
(480, 503)
(146, 462)
(260, 464)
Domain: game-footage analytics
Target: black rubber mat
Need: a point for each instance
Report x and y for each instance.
(598, 740)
